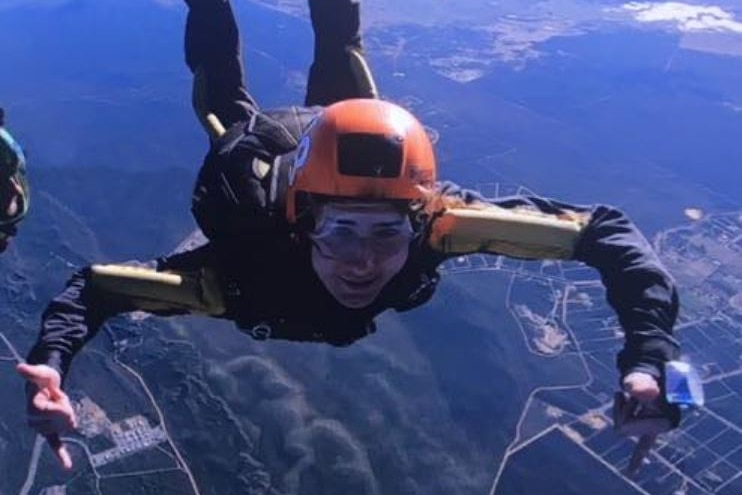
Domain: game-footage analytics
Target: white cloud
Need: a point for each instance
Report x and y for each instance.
(687, 17)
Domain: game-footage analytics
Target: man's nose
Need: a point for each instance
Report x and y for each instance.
(363, 259)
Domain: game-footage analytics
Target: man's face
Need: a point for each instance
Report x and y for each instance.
(357, 248)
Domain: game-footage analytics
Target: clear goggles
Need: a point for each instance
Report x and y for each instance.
(343, 242)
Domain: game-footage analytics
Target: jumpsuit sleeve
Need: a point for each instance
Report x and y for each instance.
(214, 55)
(75, 315)
(638, 286)
(339, 70)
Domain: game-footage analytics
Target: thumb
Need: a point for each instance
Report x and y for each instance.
(60, 450)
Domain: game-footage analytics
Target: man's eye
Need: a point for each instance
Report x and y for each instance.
(386, 233)
(343, 232)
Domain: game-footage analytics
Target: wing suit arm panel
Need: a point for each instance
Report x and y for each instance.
(179, 284)
(638, 286)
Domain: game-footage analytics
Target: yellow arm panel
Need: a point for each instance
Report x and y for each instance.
(519, 232)
(150, 290)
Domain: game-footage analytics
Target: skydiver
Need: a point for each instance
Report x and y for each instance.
(14, 191)
(321, 217)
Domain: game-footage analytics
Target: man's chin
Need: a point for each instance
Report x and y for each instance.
(356, 300)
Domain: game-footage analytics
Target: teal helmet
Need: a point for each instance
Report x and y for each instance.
(12, 177)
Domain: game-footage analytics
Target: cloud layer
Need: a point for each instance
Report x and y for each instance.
(687, 17)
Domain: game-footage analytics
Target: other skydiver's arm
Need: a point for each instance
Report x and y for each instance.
(214, 55)
(638, 287)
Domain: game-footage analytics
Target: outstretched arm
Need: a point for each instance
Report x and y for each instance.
(638, 286)
(179, 284)
(214, 55)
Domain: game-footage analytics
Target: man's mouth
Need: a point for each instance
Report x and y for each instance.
(359, 284)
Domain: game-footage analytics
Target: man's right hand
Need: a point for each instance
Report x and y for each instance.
(49, 409)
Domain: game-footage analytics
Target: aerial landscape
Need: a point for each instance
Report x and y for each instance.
(504, 382)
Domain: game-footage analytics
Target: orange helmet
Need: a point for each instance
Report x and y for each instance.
(365, 149)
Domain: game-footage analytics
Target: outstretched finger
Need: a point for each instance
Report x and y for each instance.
(28, 372)
(41, 375)
(60, 450)
(44, 377)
